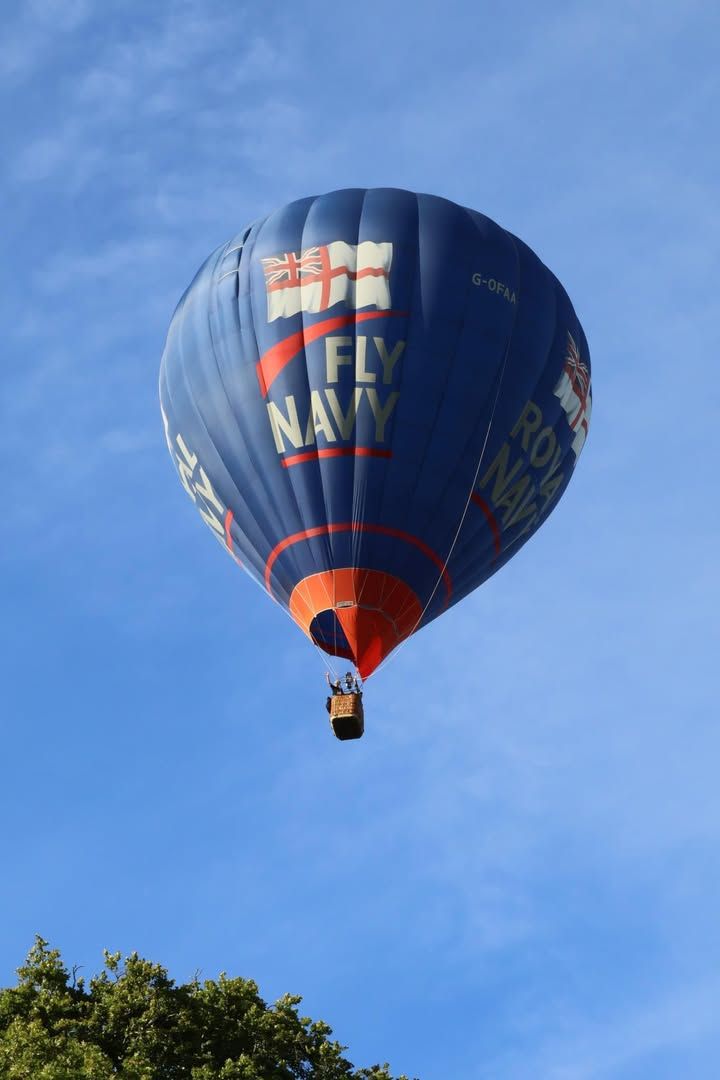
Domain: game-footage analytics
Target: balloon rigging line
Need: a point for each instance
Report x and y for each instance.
(464, 513)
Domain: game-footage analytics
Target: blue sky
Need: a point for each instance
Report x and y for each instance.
(517, 872)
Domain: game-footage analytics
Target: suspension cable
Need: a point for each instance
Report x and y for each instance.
(468, 500)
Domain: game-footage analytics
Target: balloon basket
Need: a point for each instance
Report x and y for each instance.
(347, 716)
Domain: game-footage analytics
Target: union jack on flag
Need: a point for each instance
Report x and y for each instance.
(320, 277)
(574, 391)
(290, 268)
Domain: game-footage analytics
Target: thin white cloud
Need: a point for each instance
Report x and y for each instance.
(148, 74)
(29, 40)
(62, 272)
(667, 1022)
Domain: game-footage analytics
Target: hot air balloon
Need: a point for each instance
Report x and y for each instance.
(374, 398)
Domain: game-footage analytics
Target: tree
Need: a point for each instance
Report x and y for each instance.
(132, 1022)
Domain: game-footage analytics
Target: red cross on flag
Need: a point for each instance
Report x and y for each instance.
(320, 277)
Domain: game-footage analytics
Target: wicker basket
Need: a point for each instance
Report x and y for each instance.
(347, 716)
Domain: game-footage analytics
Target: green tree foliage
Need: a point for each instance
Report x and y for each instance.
(132, 1022)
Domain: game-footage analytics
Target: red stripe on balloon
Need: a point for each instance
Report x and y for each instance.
(357, 526)
(335, 451)
(277, 357)
(228, 534)
(491, 520)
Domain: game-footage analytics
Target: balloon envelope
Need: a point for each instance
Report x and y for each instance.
(374, 398)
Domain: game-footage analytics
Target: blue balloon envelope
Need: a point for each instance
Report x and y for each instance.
(374, 398)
